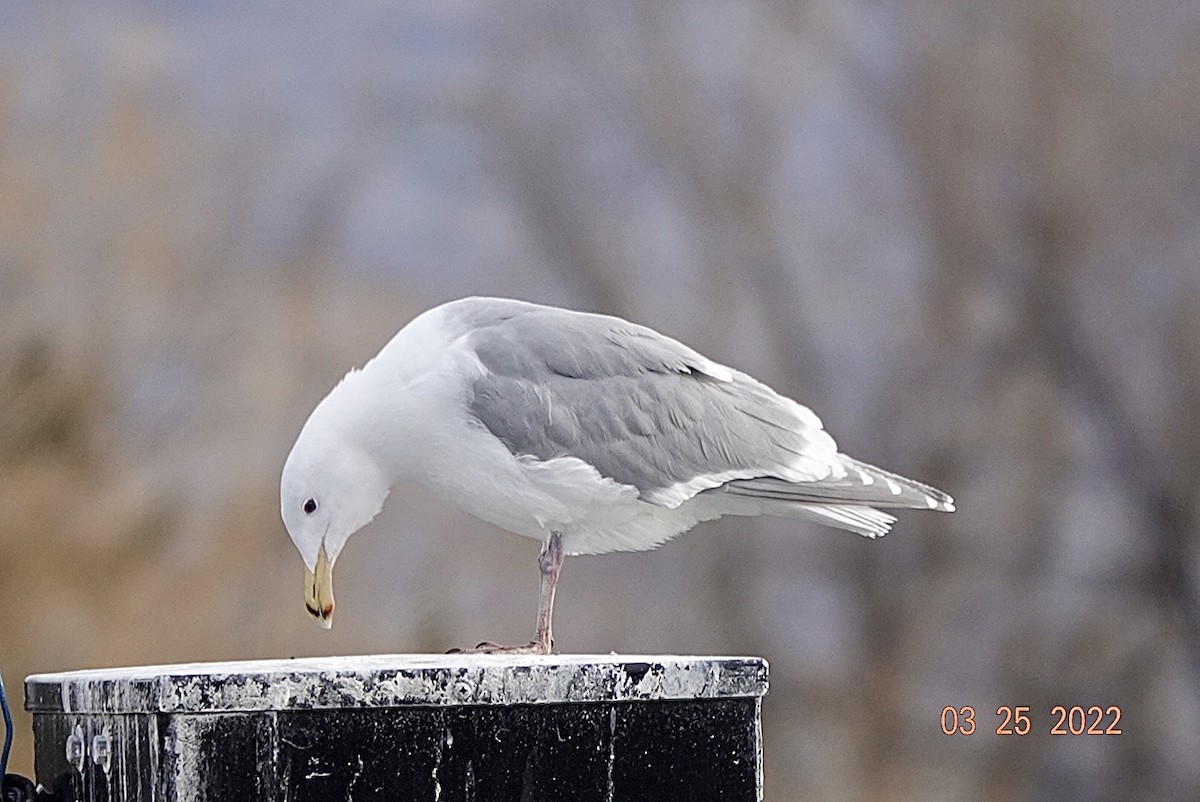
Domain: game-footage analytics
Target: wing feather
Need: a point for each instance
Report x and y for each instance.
(649, 412)
(643, 409)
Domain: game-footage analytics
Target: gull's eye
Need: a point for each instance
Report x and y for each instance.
(310, 506)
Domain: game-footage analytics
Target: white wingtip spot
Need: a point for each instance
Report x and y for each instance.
(948, 506)
(866, 478)
(892, 486)
(715, 370)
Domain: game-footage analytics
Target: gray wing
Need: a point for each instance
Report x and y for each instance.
(643, 409)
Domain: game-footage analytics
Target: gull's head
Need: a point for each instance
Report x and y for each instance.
(331, 487)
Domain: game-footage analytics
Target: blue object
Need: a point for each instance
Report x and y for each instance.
(8, 730)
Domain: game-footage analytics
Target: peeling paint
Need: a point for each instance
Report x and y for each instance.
(612, 750)
(397, 680)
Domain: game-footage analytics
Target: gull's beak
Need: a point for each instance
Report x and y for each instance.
(318, 590)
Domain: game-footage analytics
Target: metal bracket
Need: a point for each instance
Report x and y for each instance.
(76, 748)
(102, 751)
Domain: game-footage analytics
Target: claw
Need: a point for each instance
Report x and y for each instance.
(487, 647)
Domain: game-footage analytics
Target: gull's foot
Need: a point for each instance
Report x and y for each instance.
(487, 647)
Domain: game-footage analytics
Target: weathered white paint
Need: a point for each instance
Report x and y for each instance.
(397, 680)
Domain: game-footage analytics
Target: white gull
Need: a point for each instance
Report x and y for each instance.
(587, 432)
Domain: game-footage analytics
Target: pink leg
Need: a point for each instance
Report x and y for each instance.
(550, 563)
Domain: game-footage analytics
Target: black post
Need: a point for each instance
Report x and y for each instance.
(406, 727)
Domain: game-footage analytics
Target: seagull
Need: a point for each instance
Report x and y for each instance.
(587, 432)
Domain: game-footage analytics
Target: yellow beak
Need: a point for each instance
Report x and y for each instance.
(318, 590)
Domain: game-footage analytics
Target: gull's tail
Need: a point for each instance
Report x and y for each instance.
(846, 500)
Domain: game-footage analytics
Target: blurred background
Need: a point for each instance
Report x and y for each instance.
(966, 234)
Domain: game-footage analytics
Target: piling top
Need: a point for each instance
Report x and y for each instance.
(395, 680)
